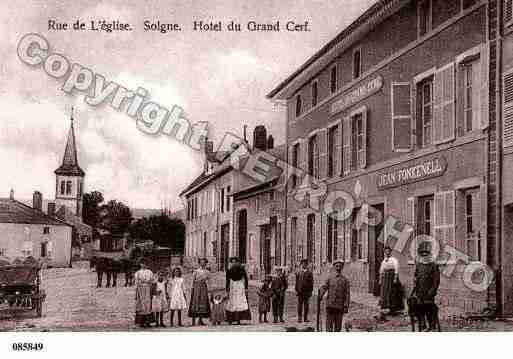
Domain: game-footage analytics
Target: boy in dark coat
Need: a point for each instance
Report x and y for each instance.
(279, 287)
(304, 288)
(264, 300)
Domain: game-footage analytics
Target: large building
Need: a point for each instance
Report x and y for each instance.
(400, 111)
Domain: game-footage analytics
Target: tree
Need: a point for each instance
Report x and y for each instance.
(162, 230)
(91, 208)
(115, 217)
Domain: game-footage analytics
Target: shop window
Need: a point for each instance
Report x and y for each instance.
(315, 93)
(357, 63)
(310, 237)
(424, 17)
(472, 223)
(333, 79)
(313, 157)
(298, 105)
(333, 150)
(425, 111)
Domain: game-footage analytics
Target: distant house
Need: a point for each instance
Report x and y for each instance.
(27, 231)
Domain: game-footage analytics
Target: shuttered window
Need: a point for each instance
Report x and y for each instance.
(401, 117)
(507, 108)
(313, 157)
(346, 146)
(443, 107)
(444, 218)
(334, 154)
(322, 144)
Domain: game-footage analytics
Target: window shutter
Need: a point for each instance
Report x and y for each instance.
(507, 108)
(483, 228)
(365, 231)
(303, 156)
(411, 210)
(347, 237)
(322, 145)
(443, 121)
(484, 92)
(363, 161)
(346, 158)
(449, 219)
(439, 217)
(401, 117)
(437, 107)
(337, 157)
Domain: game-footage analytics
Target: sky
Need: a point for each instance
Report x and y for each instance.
(218, 77)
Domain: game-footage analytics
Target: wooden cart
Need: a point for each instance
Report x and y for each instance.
(19, 288)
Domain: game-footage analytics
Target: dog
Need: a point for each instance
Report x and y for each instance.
(419, 313)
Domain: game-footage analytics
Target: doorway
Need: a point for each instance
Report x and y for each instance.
(376, 246)
(243, 232)
(265, 245)
(225, 241)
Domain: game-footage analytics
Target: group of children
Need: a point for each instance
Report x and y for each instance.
(169, 295)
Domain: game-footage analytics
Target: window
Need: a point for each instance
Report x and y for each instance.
(310, 237)
(357, 138)
(228, 199)
(332, 245)
(333, 79)
(68, 187)
(298, 105)
(356, 238)
(424, 17)
(425, 111)
(357, 63)
(63, 187)
(46, 230)
(425, 216)
(444, 218)
(295, 163)
(313, 157)
(470, 92)
(472, 224)
(333, 150)
(44, 249)
(315, 93)
(401, 117)
(222, 200)
(354, 134)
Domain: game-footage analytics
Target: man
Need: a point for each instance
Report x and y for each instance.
(304, 289)
(279, 287)
(426, 282)
(337, 302)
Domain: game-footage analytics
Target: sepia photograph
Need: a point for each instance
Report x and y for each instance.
(255, 166)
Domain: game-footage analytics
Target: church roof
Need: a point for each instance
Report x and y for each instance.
(69, 166)
(12, 211)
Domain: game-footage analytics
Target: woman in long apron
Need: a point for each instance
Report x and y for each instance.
(200, 305)
(237, 308)
(143, 281)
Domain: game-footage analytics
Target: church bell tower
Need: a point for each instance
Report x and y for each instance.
(69, 178)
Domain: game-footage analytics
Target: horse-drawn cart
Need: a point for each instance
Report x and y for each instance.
(19, 288)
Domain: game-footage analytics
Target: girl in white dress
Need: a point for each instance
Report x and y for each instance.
(176, 295)
(159, 303)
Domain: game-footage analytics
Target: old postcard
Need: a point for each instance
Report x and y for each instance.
(256, 166)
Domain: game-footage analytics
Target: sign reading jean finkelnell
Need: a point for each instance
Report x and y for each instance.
(356, 95)
(433, 167)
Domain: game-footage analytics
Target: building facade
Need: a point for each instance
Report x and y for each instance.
(399, 111)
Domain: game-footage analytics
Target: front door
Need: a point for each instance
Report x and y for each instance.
(225, 241)
(265, 245)
(243, 232)
(375, 247)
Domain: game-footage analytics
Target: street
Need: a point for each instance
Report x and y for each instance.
(74, 303)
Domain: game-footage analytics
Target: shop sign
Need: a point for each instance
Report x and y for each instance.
(433, 167)
(361, 92)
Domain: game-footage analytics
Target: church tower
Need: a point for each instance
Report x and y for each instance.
(69, 178)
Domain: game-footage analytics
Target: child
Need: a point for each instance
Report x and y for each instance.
(217, 316)
(159, 302)
(176, 295)
(279, 287)
(264, 300)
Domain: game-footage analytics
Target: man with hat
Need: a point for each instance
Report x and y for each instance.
(338, 299)
(279, 286)
(304, 289)
(426, 282)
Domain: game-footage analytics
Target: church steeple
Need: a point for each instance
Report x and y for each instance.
(69, 166)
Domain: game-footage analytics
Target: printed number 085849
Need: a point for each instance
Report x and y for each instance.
(27, 346)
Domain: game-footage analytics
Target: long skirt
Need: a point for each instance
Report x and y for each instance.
(391, 292)
(200, 304)
(142, 302)
(237, 307)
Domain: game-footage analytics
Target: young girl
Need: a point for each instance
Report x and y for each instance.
(264, 300)
(217, 316)
(177, 295)
(159, 302)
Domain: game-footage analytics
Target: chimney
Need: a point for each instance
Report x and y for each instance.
(51, 209)
(270, 142)
(11, 194)
(260, 138)
(37, 201)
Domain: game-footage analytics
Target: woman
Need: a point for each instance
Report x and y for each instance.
(237, 308)
(391, 289)
(143, 281)
(200, 305)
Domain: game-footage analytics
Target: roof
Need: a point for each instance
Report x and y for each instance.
(379, 11)
(12, 211)
(69, 166)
